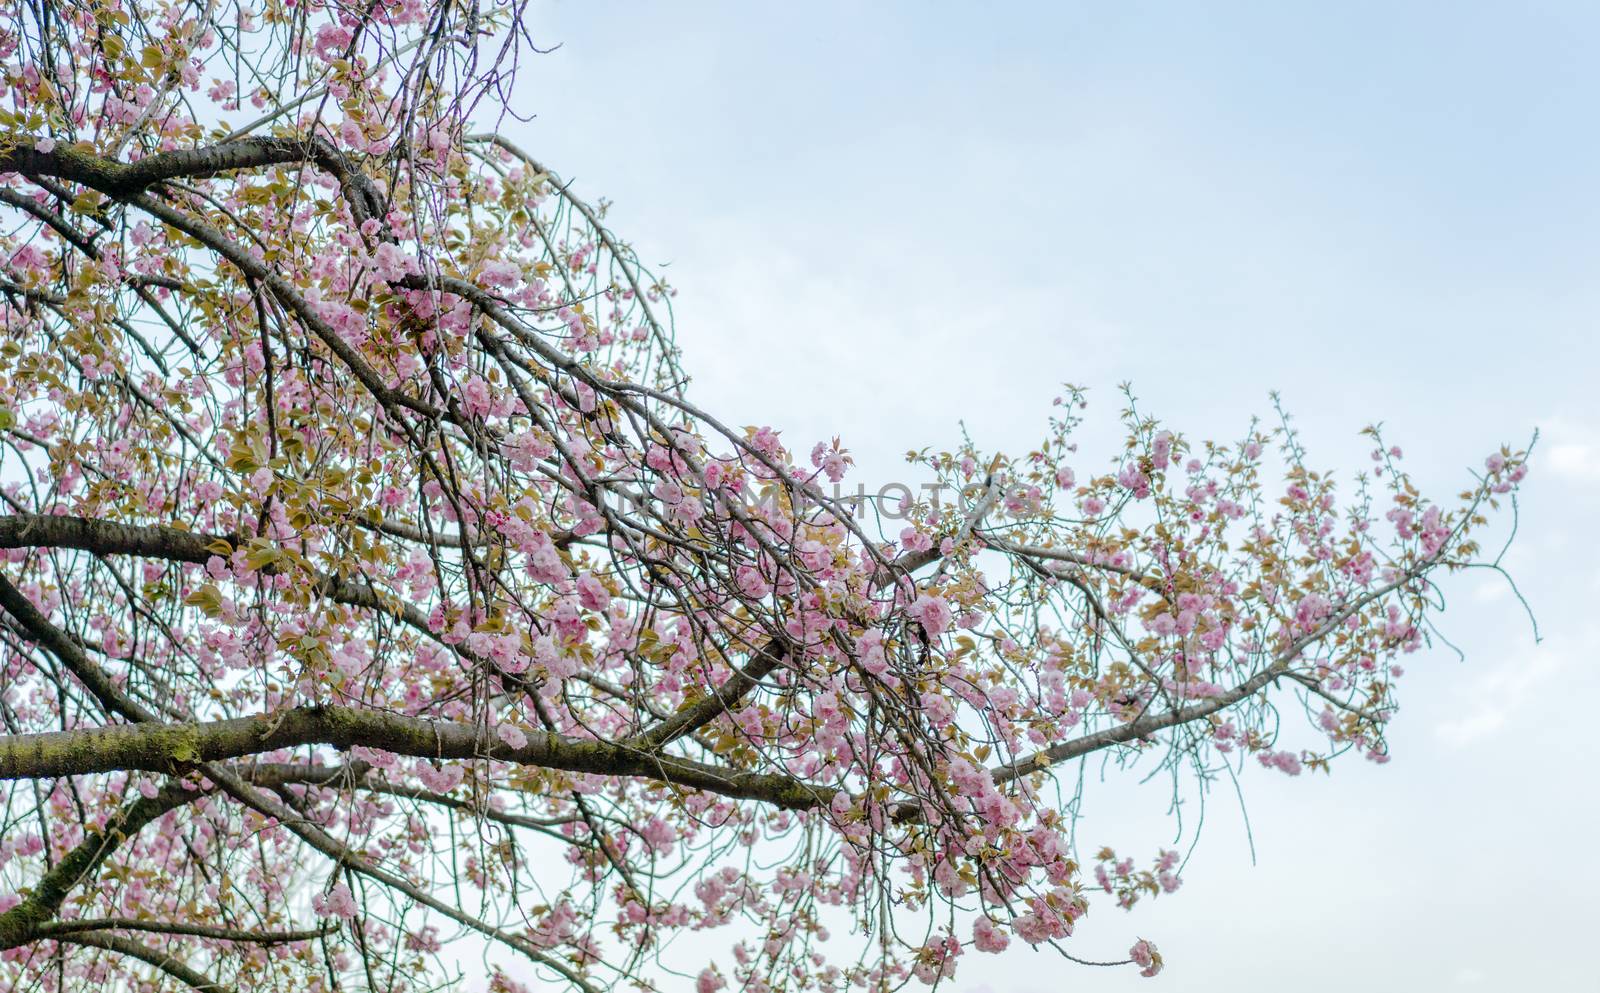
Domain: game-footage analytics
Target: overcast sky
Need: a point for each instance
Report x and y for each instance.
(887, 218)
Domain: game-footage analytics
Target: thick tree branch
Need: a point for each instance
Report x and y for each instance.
(110, 696)
(722, 699)
(1133, 731)
(21, 923)
(60, 929)
(104, 537)
(173, 747)
(124, 179)
(169, 964)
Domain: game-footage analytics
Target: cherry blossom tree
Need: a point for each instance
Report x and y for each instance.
(373, 588)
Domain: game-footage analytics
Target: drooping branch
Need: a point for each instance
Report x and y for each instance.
(256, 269)
(361, 776)
(1279, 667)
(720, 700)
(107, 692)
(102, 537)
(464, 495)
(771, 655)
(21, 923)
(343, 855)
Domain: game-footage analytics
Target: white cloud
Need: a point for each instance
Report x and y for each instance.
(1489, 718)
(1491, 590)
(1496, 698)
(1569, 449)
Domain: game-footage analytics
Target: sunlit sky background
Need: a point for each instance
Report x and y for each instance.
(887, 218)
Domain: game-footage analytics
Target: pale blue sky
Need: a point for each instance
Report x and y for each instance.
(884, 218)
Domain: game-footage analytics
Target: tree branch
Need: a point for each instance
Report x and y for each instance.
(60, 929)
(107, 537)
(168, 964)
(172, 747)
(125, 179)
(1142, 728)
(21, 923)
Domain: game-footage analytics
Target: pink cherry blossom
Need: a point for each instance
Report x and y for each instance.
(373, 571)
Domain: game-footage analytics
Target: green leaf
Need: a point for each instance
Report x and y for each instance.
(208, 598)
(260, 558)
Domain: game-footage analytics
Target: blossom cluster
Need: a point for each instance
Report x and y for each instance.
(327, 413)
